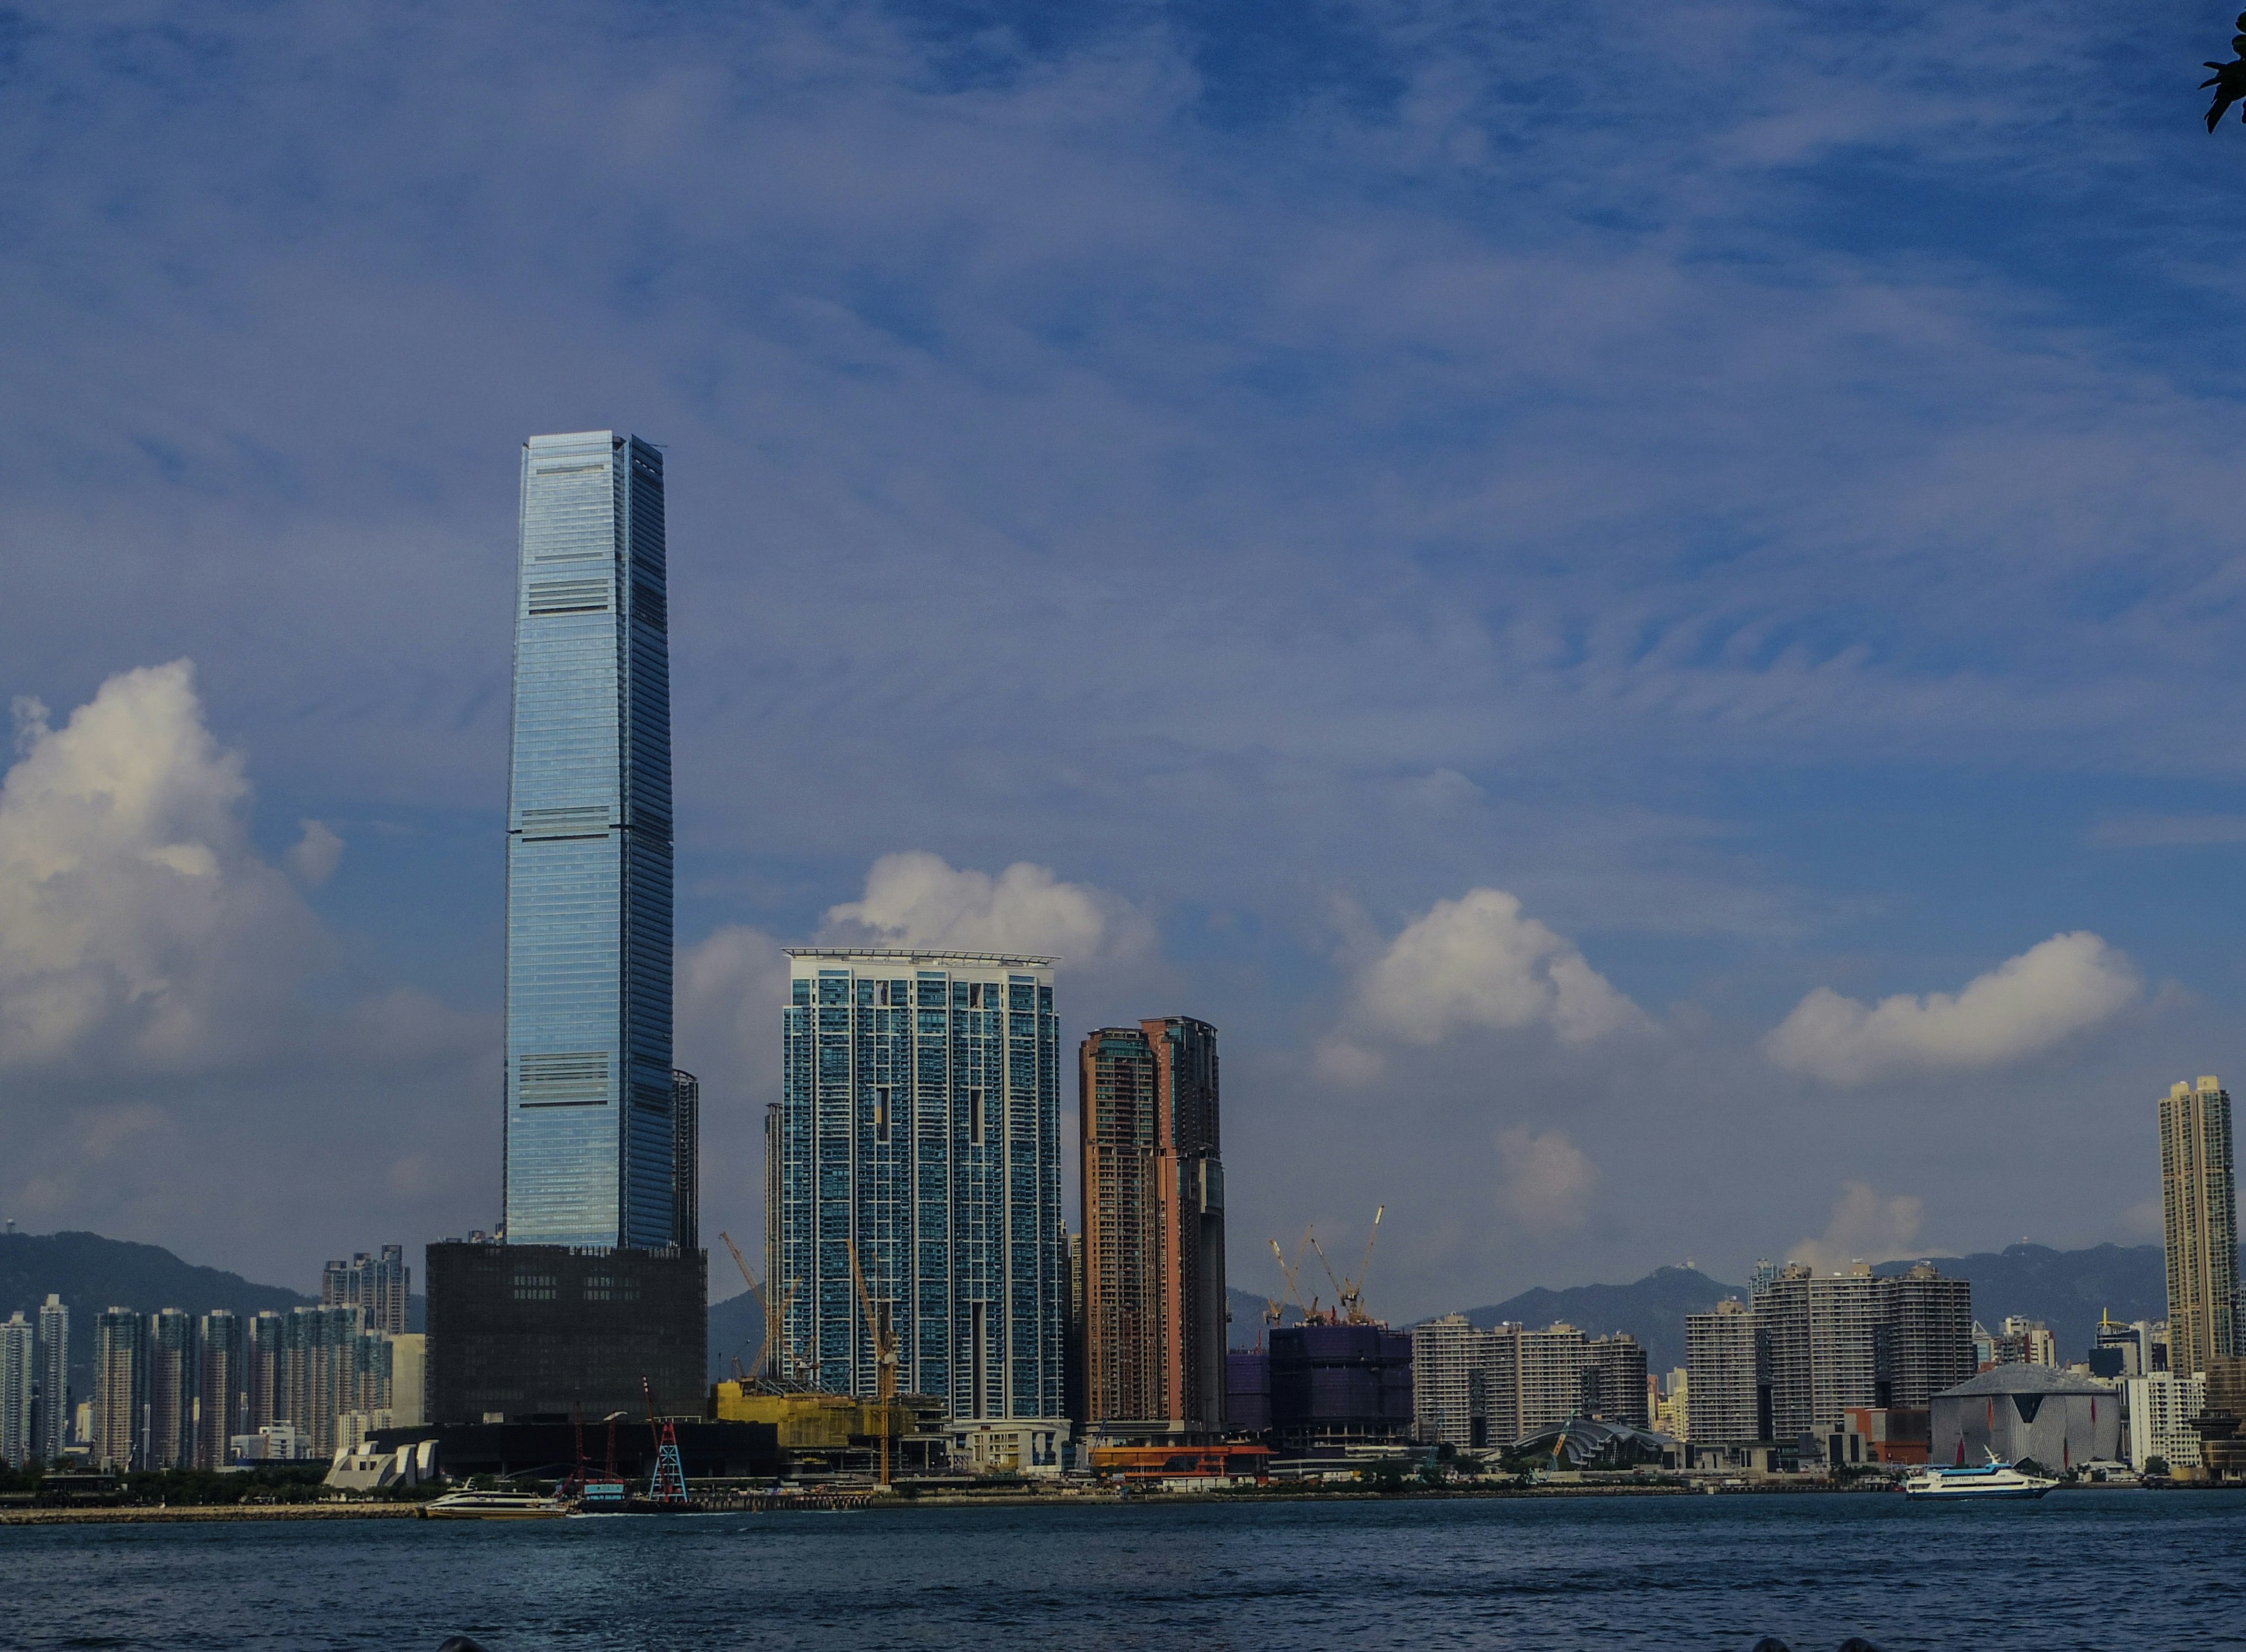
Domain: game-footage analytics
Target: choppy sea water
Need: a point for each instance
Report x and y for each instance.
(2110, 1570)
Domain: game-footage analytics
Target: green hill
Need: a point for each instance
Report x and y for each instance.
(91, 1273)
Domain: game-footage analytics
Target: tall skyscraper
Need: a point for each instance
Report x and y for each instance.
(54, 1414)
(1726, 1359)
(1614, 1380)
(18, 1374)
(1824, 1345)
(381, 1285)
(120, 1388)
(1532, 1379)
(921, 1124)
(1450, 1362)
(589, 1144)
(2199, 1194)
(219, 1407)
(685, 1160)
(1153, 1228)
(1926, 1337)
(266, 1395)
(174, 1382)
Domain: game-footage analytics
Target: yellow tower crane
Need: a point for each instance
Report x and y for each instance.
(885, 1358)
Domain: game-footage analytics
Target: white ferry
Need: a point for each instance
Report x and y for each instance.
(493, 1505)
(1994, 1479)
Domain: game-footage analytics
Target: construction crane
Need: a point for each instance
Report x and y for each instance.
(885, 1358)
(1288, 1271)
(1352, 1290)
(766, 1356)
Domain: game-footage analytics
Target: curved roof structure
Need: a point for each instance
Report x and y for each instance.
(2026, 1379)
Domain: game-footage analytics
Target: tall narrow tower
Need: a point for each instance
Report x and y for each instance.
(2198, 1197)
(1153, 1228)
(589, 1138)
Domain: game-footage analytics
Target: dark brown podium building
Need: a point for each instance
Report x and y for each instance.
(539, 1333)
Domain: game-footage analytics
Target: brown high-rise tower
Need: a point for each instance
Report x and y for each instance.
(2200, 1201)
(1154, 1229)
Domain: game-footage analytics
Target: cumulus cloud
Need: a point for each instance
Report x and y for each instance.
(313, 856)
(1478, 963)
(138, 926)
(730, 989)
(1545, 1181)
(2024, 1006)
(916, 899)
(1866, 1226)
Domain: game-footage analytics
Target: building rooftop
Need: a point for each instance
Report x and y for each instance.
(2028, 1379)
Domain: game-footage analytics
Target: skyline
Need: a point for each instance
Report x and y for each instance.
(1540, 640)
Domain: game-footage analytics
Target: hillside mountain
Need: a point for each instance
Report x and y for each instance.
(92, 1273)
(1652, 1310)
(2067, 1290)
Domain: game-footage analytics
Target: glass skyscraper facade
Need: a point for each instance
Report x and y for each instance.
(919, 1126)
(589, 1137)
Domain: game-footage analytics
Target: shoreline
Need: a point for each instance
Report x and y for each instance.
(245, 1512)
(186, 1514)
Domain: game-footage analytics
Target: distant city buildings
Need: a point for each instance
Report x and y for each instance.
(2199, 1201)
(2023, 1342)
(920, 1147)
(1672, 1415)
(590, 1134)
(380, 1285)
(2139, 1348)
(1492, 1388)
(19, 1378)
(1154, 1229)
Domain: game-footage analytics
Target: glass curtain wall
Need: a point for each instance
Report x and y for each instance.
(920, 1122)
(590, 1149)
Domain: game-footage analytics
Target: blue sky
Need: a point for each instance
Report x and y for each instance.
(1751, 486)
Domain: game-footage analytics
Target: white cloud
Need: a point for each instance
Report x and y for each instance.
(2025, 1005)
(1546, 1180)
(314, 857)
(730, 991)
(915, 899)
(138, 927)
(1865, 1227)
(1478, 963)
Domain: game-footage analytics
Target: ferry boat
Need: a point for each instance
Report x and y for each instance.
(1993, 1480)
(493, 1505)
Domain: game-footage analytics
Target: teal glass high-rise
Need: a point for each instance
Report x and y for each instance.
(589, 860)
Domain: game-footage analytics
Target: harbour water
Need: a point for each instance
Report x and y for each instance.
(2082, 1569)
